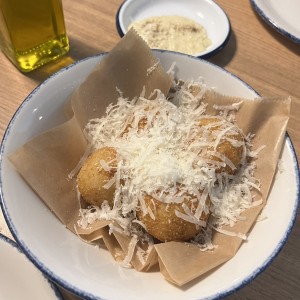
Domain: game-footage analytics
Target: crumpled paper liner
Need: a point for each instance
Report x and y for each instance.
(46, 160)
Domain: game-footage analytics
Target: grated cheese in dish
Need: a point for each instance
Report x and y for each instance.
(174, 33)
(163, 152)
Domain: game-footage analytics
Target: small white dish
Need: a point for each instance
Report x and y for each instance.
(205, 12)
(19, 278)
(282, 15)
(90, 272)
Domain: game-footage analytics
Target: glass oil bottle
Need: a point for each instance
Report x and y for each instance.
(32, 32)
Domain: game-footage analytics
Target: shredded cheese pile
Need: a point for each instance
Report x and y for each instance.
(161, 147)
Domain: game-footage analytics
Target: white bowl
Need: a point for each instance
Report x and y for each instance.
(90, 272)
(205, 12)
(19, 278)
(281, 15)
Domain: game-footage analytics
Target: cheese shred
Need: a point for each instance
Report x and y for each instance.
(164, 153)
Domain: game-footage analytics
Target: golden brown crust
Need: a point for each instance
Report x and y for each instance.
(166, 226)
(225, 147)
(142, 123)
(92, 177)
(163, 221)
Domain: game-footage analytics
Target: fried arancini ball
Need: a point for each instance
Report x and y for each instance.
(92, 177)
(225, 147)
(234, 154)
(141, 125)
(166, 226)
(142, 122)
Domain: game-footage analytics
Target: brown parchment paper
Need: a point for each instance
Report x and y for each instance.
(58, 151)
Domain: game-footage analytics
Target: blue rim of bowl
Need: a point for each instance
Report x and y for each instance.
(204, 56)
(15, 245)
(89, 296)
(273, 24)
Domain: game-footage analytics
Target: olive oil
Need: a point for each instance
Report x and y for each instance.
(32, 32)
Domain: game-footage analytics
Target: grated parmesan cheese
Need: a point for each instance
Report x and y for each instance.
(175, 33)
(164, 153)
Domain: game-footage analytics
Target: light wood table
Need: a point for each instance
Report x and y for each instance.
(256, 53)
